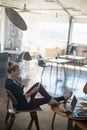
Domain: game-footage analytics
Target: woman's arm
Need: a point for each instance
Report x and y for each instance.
(19, 79)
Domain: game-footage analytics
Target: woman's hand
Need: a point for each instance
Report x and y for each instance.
(19, 78)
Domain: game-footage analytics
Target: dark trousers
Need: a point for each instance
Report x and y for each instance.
(36, 102)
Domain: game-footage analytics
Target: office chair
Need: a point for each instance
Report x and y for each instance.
(72, 49)
(57, 55)
(3, 63)
(24, 56)
(42, 64)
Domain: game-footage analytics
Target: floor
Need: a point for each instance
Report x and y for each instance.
(31, 73)
(74, 80)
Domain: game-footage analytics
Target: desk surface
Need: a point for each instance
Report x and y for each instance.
(69, 116)
(56, 110)
(72, 57)
(80, 123)
(59, 61)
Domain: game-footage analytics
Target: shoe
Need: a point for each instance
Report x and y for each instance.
(67, 96)
(53, 102)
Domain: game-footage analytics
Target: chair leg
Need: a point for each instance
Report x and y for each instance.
(11, 121)
(6, 118)
(30, 124)
(34, 118)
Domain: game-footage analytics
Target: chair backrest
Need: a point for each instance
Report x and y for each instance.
(50, 52)
(3, 63)
(57, 55)
(27, 56)
(4, 58)
(85, 88)
(24, 56)
(39, 57)
(40, 60)
(11, 98)
(71, 49)
(20, 57)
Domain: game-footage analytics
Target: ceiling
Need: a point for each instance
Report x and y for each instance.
(58, 7)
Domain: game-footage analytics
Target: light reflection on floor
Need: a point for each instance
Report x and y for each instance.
(32, 74)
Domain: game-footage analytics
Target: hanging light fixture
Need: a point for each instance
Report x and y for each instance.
(15, 18)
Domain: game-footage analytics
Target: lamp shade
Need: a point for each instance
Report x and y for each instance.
(15, 18)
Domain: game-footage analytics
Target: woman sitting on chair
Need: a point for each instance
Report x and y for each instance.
(26, 101)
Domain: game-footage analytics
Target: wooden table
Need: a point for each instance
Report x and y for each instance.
(80, 125)
(78, 122)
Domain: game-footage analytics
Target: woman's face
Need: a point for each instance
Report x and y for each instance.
(16, 72)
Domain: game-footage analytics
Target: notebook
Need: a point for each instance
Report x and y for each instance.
(72, 105)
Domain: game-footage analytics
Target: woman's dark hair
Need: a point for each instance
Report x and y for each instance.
(12, 66)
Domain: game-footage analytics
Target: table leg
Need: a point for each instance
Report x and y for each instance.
(76, 127)
(57, 72)
(74, 69)
(65, 75)
(70, 124)
(80, 67)
(51, 74)
(52, 125)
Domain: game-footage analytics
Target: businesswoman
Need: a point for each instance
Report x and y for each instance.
(26, 101)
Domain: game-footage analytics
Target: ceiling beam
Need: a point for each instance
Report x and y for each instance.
(63, 7)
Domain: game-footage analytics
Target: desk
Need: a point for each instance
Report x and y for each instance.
(77, 121)
(80, 125)
(58, 61)
(74, 59)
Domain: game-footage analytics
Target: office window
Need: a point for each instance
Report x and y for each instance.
(79, 34)
(53, 31)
